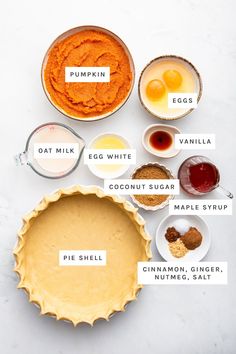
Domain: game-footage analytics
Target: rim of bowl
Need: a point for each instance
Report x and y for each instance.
(128, 147)
(67, 34)
(159, 125)
(158, 206)
(199, 81)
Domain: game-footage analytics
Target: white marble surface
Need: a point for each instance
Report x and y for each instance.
(165, 319)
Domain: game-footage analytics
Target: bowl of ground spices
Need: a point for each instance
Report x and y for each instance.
(183, 238)
(88, 73)
(152, 170)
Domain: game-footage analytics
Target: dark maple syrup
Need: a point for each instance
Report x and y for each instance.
(203, 177)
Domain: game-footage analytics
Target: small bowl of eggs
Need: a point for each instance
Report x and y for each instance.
(166, 75)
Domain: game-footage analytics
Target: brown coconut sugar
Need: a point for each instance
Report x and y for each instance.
(150, 172)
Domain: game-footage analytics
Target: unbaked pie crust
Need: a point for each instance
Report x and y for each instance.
(81, 218)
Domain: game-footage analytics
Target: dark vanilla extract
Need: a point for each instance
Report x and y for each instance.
(160, 140)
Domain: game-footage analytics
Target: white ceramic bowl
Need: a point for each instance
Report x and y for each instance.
(187, 221)
(165, 154)
(108, 174)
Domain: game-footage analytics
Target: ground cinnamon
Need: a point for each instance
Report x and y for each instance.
(192, 239)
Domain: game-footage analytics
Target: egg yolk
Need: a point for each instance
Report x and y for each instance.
(155, 89)
(172, 78)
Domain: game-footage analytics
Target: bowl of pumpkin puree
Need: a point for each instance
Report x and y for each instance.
(87, 50)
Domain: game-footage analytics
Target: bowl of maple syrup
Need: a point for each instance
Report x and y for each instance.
(159, 140)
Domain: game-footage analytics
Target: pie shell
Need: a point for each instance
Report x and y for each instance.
(28, 220)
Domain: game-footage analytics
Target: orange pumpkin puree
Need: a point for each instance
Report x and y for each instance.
(88, 99)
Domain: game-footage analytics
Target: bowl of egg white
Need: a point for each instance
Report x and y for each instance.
(109, 141)
(163, 75)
